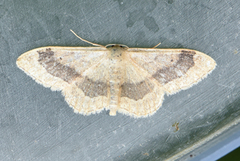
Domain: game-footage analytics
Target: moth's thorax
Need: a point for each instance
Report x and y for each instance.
(117, 51)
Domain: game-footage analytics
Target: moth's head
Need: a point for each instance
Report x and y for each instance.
(116, 50)
(116, 46)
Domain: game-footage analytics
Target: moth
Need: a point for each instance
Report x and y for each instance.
(114, 77)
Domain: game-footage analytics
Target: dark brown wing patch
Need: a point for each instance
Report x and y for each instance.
(177, 70)
(136, 91)
(93, 88)
(55, 68)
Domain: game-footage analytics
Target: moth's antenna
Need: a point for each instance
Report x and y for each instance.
(156, 45)
(86, 40)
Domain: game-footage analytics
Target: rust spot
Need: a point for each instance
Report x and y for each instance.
(176, 126)
(147, 154)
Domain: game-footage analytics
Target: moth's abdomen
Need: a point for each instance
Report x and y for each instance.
(116, 71)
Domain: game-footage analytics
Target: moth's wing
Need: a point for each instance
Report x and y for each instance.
(174, 69)
(77, 71)
(140, 96)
